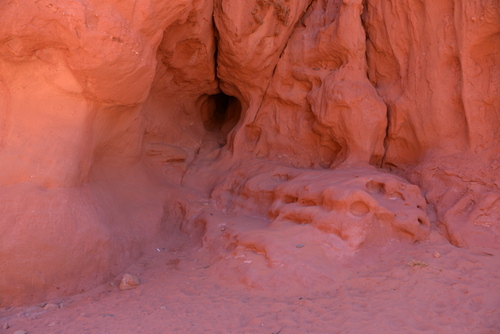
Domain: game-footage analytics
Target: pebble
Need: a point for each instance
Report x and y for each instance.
(20, 332)
(48, 307)
(6, 326)
(129, 282)
(300, 245)
(436, 255)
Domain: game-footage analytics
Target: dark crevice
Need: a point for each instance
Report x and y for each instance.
(386, 139)
(382, 161)
(219, 112)
(216, 38)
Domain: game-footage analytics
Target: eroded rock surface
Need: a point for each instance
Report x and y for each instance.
(284, 221)
(255, 128)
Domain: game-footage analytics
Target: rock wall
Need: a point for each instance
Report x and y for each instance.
(409, 86)
(75, 202)
(440, 80)
(114, 115)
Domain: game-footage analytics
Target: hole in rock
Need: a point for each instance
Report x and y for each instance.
(374, 187)
(359, 208)
(220, 114)
(308, 202)
(290, 199)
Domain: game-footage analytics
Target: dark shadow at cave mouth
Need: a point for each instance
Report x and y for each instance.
(221, 114)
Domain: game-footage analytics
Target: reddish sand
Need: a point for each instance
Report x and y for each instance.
(395, 289)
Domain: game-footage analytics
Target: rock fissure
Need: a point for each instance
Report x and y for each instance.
(299, 21)
(367, 55)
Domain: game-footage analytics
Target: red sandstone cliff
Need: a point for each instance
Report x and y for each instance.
(365, 120)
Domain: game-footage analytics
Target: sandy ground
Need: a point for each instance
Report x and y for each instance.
(429, 287)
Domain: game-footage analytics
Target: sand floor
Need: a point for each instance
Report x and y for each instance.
(401, 288)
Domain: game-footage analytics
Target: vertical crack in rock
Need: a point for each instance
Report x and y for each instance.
(386, 138)
(299, 21)
(224, 111)
(461, 78)
(216, 52)
(367, 56)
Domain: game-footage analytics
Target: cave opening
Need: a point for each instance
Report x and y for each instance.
(220, 114)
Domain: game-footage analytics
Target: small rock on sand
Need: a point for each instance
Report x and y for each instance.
(50, 307)
(129, 282)
(20, 332)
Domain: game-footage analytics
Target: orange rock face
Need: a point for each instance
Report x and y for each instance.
(248, 126)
